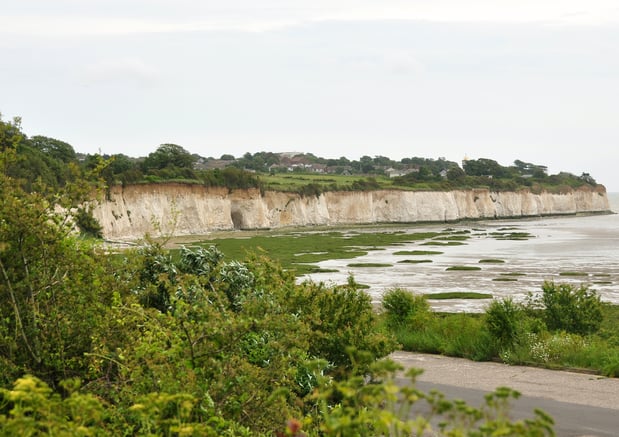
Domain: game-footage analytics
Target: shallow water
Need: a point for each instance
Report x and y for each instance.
(584, 244)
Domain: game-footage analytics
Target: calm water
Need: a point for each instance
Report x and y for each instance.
(588, 245)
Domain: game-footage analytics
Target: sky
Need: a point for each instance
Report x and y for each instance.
(534, 80)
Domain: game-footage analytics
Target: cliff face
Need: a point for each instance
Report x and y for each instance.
(177, 209)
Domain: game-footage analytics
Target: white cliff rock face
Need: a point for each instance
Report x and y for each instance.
(177, 209)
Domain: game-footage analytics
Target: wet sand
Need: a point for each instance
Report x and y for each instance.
(575, 249)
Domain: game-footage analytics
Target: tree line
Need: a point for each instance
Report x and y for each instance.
(54, 163)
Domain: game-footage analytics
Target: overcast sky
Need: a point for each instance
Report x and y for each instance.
(535, 80)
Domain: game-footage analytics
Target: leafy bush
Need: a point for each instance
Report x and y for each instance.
(339, 318)
(87, 223)
(401, 306)
(570, 309)
(503, 320)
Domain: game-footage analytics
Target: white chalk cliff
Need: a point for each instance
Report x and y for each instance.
(177, 209)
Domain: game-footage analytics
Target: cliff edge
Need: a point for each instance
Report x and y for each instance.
(132, 211)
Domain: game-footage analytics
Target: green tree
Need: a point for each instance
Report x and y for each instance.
(455, 174)
(484, 167)
(44, 276)
(55, 148)
(169, 155)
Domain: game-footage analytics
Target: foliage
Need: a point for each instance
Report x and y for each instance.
(516, 333)
(153, 342)
(231, 178)
(401, 306)
(32, 408)
(169, 156)
(45, 274)
(339, 318)
(55, 163)
(384, 408)
(379, 408)
(503, 320)
(86, 222)
(56, 149)
(576, 310)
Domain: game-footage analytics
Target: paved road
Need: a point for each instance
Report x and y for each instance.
(581, 404)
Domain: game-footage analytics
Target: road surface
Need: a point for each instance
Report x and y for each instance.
(581, 404)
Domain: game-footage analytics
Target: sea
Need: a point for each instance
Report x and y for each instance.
(578, 249)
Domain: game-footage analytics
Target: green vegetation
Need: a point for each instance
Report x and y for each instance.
(417, 252)
(298, 251)
(188, 343)
(457, 295)
(515, 236)
(573, 274)
(414, 261)
(463, 268)
(54, 162)
(442, 243)
(562, 327)
(370, 265)
(491, 261)
(401, 307)
(452, 237)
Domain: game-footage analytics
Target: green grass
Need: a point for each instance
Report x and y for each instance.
(573, 274)
(448, 334)
(456, 231)
(516, 236)
(369, 265)
(414, 261)
(466, 335)
(417, 252)
(458, 295)
(452, 237)
(300, 251)
(491, 261)
(296, 181)
(463, 268)
(361, 286)
(505, 279)
(321, 270)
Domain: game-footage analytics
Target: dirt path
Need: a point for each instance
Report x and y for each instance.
(577, 388)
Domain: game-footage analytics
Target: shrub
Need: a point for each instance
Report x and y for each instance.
(401, 306)
(87, 223)
(503, 320)
(574, 310)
